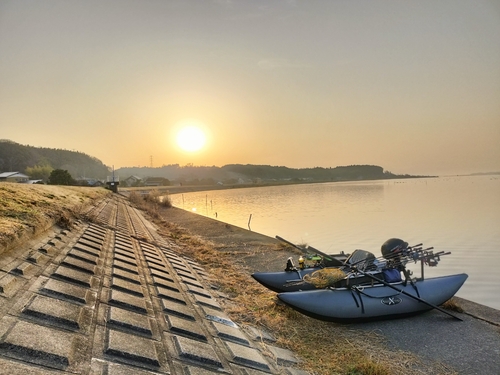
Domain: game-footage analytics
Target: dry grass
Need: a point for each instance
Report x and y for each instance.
(453, 305)
(151, 202)
(26, 210)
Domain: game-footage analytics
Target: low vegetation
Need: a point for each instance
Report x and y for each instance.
(453, 305)
(26, 210)
(150, 202)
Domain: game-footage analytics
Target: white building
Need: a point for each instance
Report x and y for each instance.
(13, 177)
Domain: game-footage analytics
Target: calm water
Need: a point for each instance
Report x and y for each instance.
(457, 214)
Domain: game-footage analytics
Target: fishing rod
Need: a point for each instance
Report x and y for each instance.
(396, 260)
(304, 250)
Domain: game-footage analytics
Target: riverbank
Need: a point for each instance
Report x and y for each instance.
(179, 189)
(230, 254)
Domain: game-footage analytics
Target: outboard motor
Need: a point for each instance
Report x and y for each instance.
(392, 247)
(391, 250)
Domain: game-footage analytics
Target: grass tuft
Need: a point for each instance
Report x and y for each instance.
(453, 305)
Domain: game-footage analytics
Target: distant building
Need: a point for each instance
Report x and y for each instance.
(14, 177)
(132, 181)
(156, 181)
(85, 181)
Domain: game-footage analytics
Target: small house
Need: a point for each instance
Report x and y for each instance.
(13, 177)
(157, 181)
(132, 181)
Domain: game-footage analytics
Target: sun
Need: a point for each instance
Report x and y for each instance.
(191, 138)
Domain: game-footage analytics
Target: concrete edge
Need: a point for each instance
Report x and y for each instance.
(478, 311)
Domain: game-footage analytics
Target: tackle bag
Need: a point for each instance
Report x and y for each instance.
(392, 275)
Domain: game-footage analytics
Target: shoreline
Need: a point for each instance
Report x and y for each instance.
(179, 189)
(227, 237)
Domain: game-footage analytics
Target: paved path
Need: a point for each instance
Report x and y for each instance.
(112, 297)
(470, 347)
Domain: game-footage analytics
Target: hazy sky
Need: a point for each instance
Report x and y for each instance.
(412, 86)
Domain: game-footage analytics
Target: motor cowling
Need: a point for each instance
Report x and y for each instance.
(392, 247)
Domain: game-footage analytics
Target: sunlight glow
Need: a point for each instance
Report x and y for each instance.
(191, 138)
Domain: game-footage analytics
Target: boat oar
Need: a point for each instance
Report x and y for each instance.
(405, 293)
(326, 256)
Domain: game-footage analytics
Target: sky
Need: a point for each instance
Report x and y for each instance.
(412, 86)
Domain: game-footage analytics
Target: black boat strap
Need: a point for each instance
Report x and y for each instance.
(360, 299)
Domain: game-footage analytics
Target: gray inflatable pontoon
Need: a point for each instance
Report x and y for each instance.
(373, 302)
(285, 281)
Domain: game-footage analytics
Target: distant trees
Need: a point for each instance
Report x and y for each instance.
(239, 173)
(39, 172)
(351, 172)
(17, 157)
(61, 177)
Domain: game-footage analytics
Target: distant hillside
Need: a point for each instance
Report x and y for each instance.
(352, 172)
(18, 158)
(29, 160)
(238, 173)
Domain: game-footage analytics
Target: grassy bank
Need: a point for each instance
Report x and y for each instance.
(26, 210)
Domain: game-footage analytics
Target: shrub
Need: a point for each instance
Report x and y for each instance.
(150, 202)
(135, 198)
(166, 201)
(61, 177)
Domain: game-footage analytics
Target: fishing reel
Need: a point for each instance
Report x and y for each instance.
(316, 259)
(431, 259)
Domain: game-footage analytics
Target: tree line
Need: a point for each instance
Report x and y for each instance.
(39, 162)
(249, 173)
